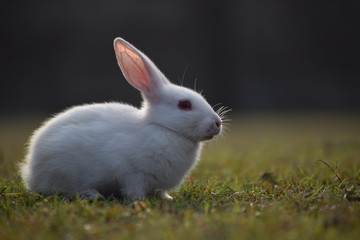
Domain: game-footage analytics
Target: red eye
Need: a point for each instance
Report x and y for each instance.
(184, 105)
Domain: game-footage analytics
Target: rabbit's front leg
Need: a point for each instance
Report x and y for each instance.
(134, 188)
(164, 195)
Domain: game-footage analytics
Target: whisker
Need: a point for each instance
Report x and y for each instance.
(201, 93)
(223, 109)
(224, 112)
(214, 106)
(180, 81)
(225, 128)
(195, 84)
(226, 119)
(184, 73)
(224, 134)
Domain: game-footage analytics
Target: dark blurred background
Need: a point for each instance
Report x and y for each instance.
(251, 55)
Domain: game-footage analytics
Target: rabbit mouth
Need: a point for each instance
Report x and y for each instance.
(208, 137)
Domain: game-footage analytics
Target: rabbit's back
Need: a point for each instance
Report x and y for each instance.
(78, 147)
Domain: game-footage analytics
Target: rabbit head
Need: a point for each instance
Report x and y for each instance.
(175, 108)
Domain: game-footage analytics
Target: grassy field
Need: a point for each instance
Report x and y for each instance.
(288, 176)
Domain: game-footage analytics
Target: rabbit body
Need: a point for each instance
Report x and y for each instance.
(118, 149)
(92, 146)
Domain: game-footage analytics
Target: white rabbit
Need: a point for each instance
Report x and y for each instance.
(107, 149)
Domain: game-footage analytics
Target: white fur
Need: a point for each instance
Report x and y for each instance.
(115, 148)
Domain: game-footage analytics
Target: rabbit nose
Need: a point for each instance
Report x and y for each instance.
(217, 123)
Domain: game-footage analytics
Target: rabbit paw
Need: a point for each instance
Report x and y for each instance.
(91, 195)
(163, 195)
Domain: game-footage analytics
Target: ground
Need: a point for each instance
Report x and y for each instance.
(279, 176)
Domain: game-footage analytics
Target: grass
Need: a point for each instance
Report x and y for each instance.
(272, 177)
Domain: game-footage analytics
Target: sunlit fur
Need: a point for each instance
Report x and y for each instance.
(118, 149)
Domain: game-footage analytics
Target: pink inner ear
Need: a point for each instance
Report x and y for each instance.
(132, 66)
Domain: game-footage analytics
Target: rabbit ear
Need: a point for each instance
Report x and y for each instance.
(138, 69)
